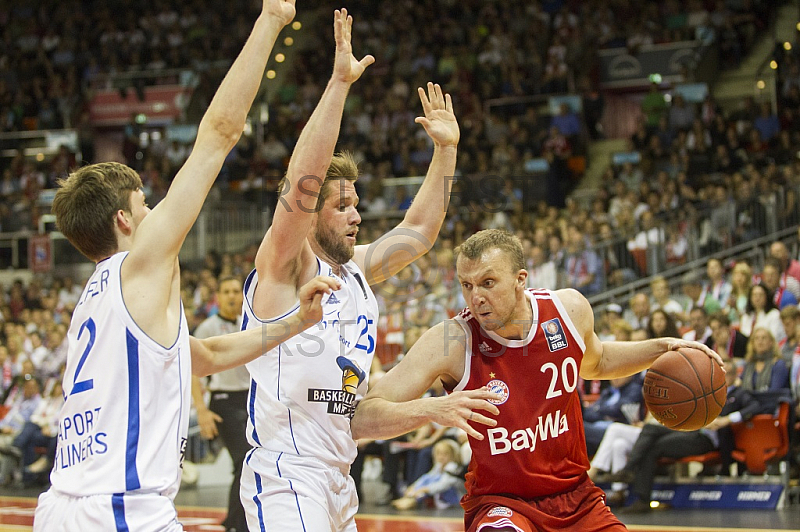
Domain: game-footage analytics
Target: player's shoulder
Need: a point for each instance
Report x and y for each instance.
(571, 299)
(576, 306)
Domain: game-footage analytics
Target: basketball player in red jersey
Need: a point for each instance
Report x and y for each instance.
(511, 362)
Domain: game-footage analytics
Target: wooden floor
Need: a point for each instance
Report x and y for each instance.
(16, 514)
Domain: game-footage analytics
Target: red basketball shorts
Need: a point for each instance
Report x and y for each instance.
(580, 510)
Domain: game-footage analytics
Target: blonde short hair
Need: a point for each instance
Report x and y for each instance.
(483, 241)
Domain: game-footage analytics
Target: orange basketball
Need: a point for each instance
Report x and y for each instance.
(685, 389)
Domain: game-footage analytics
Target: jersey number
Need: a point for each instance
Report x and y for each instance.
(568, 363)
(370, 347)
(88, 384)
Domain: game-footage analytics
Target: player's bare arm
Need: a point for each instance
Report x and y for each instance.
(611, 360)
(218, 353)
(394, 406)
(150, 272)
(416, 234)
(285, 257)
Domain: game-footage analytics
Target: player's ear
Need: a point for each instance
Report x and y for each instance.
(122, 222)
(522, 276)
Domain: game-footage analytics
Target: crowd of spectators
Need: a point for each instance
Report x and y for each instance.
(704, 176)
(54, 55)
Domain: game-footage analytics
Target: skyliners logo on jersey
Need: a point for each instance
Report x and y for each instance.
(554, 334)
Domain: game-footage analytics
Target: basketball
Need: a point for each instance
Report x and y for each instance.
(685, 389)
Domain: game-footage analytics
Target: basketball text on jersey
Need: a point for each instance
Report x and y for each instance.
(554, 334)
(549, 427)
(341, 401)
(303, 392)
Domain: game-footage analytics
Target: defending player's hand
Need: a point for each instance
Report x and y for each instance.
(281, 10)
(310, 296)
(439, 121)
(677, 343)
(207, 421)
(345, 66)
(462, 409)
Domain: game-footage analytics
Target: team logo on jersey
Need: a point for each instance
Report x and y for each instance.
(554, 334)
(342, 401)
(500, 388)
(500, 511)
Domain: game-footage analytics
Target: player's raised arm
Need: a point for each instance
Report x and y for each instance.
(394, 405)
(218, 353)
(415, 235)
(160, 236)
(286, 238)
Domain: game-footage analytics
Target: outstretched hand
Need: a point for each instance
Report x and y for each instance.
(460, 409)
(439, 120)
(310, 296)
(282, 10)
(345, 66)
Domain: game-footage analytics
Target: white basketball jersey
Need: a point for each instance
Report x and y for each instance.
(124, 424)
(303, 393)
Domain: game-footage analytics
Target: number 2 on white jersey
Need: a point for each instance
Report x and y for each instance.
(88, 384)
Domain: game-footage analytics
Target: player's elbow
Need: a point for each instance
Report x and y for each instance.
(225, 131)
(592, 371)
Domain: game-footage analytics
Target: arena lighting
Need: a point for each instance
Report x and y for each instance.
(760, 84)
(280, 58)
(296, 25)
(288, 41)
(787, 46)
(773, 65)
(798, 26)
(270, 74)
(40, 157)
(654, 504)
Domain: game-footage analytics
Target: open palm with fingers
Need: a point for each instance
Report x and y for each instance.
(439, 120)
(345, 66)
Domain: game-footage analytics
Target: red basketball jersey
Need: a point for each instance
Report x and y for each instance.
(538, 446)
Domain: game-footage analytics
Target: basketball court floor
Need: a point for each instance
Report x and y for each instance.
(201, 509)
